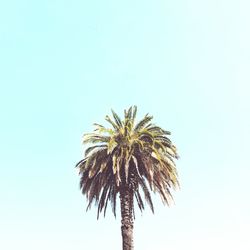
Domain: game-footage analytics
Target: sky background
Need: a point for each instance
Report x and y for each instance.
(64, 64)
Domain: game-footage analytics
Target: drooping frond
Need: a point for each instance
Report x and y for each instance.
(90, 149)
(139, 157)
(95, 138)
(134, 114)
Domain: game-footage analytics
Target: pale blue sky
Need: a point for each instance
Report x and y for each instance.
(65, 64)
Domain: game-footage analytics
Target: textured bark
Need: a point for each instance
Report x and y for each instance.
(126, 197)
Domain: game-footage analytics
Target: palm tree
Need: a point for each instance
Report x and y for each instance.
(128, 159)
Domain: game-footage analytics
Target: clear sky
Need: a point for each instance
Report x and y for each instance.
(64, 64)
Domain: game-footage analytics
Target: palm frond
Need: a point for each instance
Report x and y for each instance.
(117, 119)
(146, 193)
(95, 138)
(134, 114)
(108, 119)
(101, 129)
(143, 122)
(157, 130)
(139, 200)
(90, 149)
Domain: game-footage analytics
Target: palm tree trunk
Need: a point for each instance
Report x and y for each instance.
(126, 198)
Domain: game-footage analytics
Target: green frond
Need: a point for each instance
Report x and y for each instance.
(117, 119)
(101, 129)
(143, 122)
(157, 130)
(95, 138)
(134, 113)
(145, 132)
(163, 139)
(108, 119)
(159, 146)
(129, 113)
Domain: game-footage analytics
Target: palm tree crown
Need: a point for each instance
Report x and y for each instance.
(137, 156)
